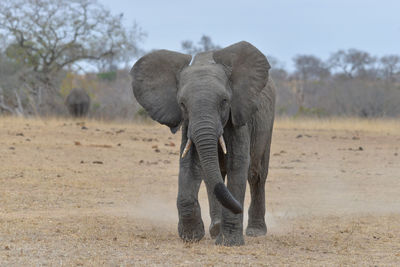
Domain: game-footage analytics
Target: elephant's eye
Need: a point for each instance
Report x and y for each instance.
(183, 107)
(224, 102)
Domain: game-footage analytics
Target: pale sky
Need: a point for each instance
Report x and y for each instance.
(281, 28)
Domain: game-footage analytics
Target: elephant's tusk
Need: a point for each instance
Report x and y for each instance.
(222, 143)
(187, 147)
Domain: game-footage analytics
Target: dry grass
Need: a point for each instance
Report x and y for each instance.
(95, 193)
(383, 126)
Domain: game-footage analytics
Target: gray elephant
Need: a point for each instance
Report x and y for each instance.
(78, 102)
(226, 97)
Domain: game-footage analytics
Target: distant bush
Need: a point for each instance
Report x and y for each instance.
(142, 114)
(107, 76)
(311, 112)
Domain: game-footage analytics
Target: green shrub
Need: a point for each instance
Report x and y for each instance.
(311, 112)
(107, 76)
(142, 114)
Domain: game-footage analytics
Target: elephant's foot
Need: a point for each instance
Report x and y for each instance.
(231, 232)
(230, 240)
(190, 225)
(191, 230)
(231, 229)
(256, 229)
(215, 228)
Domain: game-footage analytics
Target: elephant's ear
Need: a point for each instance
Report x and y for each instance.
(154, 83)
(248, 75)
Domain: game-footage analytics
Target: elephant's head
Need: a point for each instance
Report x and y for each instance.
(217, 86)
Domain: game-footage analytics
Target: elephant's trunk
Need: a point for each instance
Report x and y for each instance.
(205, 139)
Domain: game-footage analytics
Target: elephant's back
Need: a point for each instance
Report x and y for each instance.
(78, 96)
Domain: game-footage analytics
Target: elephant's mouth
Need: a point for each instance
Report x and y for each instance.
(189, 142)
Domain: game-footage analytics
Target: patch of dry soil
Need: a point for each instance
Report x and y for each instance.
(90, 194)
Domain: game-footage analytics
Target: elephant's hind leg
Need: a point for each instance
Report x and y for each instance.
(81, 110)
(75, 110)
(256, 224)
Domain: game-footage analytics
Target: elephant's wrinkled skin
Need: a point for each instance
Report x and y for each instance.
(226, 92)
(78, 102)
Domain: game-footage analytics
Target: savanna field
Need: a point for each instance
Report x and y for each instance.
(92, 193)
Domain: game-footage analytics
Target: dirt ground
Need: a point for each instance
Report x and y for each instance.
(99, 193)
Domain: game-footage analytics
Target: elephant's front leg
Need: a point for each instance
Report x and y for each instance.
(238, 160)
(190, 226)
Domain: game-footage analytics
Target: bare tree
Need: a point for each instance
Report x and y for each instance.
(309, 67)
(205, 44)
(390, 66)
(52, 34)
(352, 62)
(46, 36)
(277, 71)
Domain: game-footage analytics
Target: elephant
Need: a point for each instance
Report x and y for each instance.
(224, 102)
(78, 102)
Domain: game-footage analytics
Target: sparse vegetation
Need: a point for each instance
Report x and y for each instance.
(349, 83)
